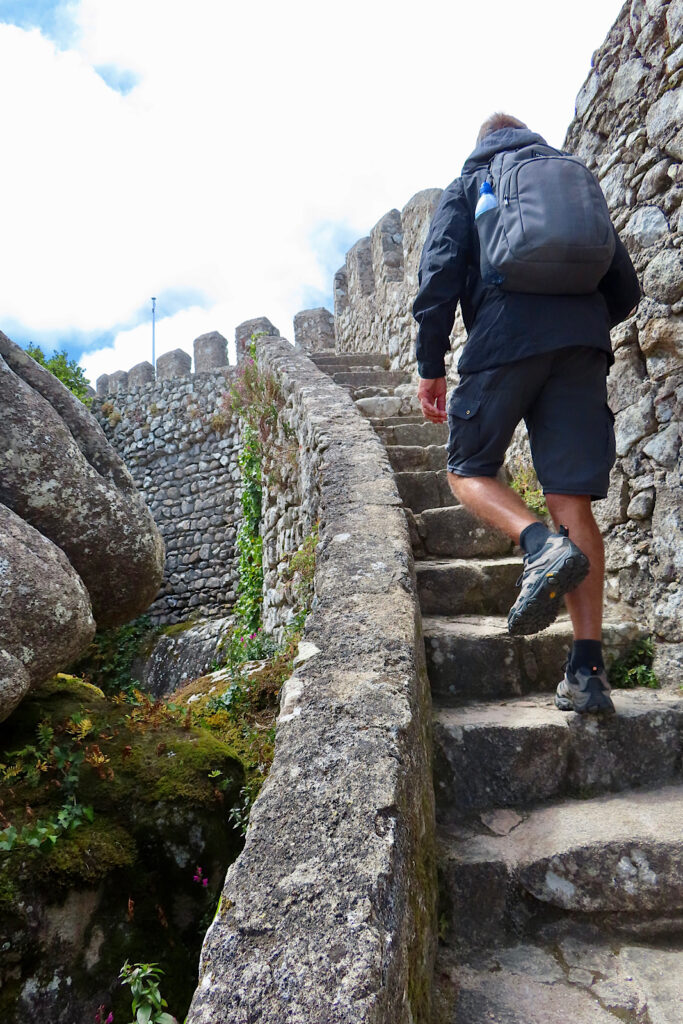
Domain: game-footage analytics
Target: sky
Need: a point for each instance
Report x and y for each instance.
(224, 156)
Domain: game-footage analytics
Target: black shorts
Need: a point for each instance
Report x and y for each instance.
(562, 398)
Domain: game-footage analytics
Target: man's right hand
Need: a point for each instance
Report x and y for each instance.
(431, 395)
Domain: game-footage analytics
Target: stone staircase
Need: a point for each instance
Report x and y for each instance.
(560, 839)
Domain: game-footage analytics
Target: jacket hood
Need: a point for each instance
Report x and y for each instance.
(504, 138)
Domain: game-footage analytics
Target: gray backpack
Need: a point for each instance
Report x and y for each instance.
(550, 232)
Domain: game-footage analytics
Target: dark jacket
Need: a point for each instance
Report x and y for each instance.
(503, 326)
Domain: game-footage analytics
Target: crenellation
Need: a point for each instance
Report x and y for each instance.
(210, 352)
(118, 381)
(176, 363)
(245, 330)
(314, 330)
(141, 373)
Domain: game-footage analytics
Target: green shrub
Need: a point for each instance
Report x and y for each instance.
(635, 667)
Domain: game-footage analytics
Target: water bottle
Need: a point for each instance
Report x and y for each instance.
(487, 200)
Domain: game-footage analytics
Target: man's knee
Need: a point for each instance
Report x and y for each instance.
(569, 506)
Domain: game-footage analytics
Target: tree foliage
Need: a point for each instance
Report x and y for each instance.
(67, 370)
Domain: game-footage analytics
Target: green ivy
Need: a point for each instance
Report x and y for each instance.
(249, 540)
(108, 661)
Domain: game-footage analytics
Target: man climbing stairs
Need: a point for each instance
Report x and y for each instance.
(560, 838)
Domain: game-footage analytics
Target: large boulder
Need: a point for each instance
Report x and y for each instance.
(59, 474)
(45, 615)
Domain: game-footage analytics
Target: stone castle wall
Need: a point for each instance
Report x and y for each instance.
(181, 449)
(628, 130)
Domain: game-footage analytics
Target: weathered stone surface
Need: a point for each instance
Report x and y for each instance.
(470, 586)
(624, 383)
(455, 531)
(314, 330)
(475, 658)
(179, 439)
(102, 384)
(45, 615)
(118, 381)
(663, 279)
(328, 914)
(668, 664)
(571, 974)
(614, 856)
(646, 226)
(633, 423)
(627, 80)
(178, 657)
(424, 490)
(664, 118)
(210, 352)
(524, 751)
(141, 373)
(58, 473)
(656, 180)
(243, 332)
(665, 446)
(173, 364)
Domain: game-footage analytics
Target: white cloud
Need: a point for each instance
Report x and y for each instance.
(250, 124)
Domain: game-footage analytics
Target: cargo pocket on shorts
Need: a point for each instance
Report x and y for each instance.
(464, 428)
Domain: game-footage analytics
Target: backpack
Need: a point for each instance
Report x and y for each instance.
(550, 232)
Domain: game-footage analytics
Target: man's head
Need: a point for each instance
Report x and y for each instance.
(496, 121)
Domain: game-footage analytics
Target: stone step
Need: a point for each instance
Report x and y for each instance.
(572, 975)
(525, 751)
(342, 360)
(473, 657)
(417, 432)
(416, 457)
(615, 859)
(373, 378)
(370, 392)
(408, 418)
(467, 586)
(427, 490)
(458, 533)
(390, 407)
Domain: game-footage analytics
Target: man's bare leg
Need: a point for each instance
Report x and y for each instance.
(494, 502)
(585, 602)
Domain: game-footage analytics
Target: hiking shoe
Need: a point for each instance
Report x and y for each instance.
(548, 575)
(584, 691)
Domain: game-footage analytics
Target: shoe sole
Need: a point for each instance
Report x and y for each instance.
(542, 607)
(603, 706)
(595, 702)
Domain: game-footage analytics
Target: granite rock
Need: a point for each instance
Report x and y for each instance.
(58, 473)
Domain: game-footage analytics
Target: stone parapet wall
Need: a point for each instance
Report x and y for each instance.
(181, 450)
(628, 129)
(328, 916)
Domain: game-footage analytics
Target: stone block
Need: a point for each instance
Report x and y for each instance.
(103, 385)
(360, 275)
(244, 331)
(210, 352)
(174, 364)
(141, 373)
(314, 330)
(645, 227)
(664, 118)
(118, 381)
(663, 278)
